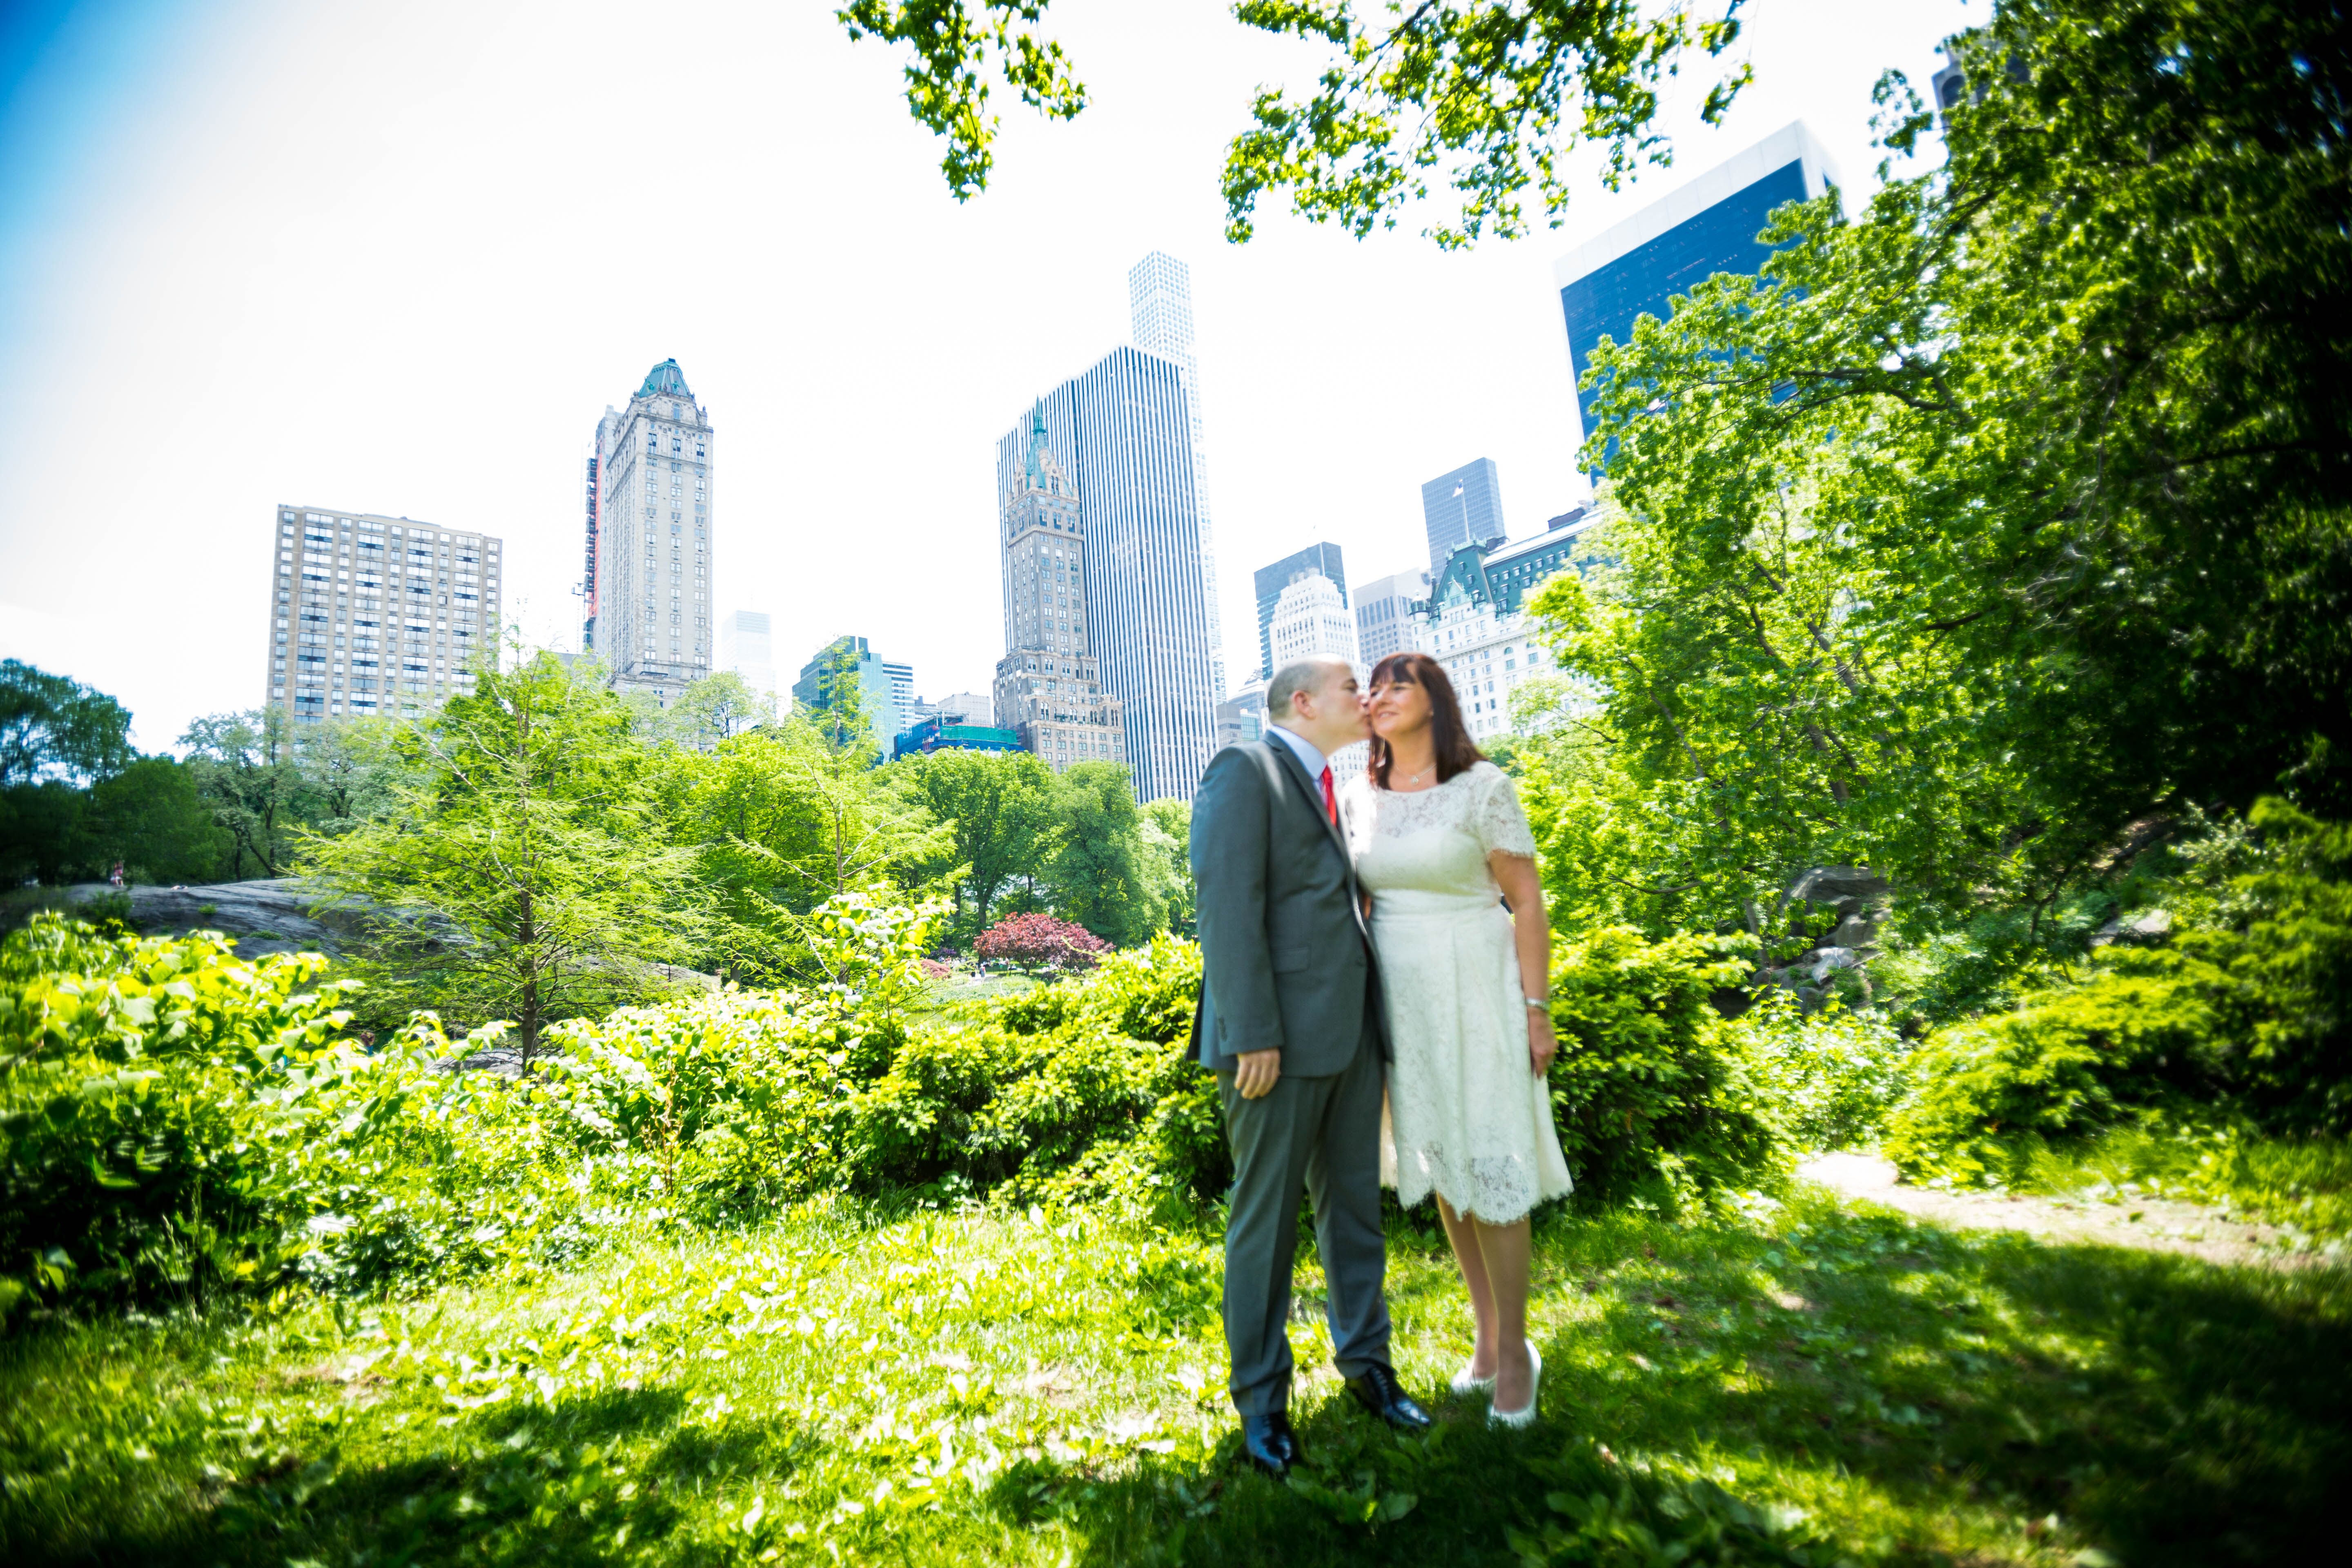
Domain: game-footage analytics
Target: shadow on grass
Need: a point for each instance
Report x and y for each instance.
(588, 1481)
(1929, 1399)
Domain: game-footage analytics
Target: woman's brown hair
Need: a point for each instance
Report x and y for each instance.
(1456, 752)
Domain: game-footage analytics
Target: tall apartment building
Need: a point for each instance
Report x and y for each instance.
(1121, 432)
(1270, 581)
(1637, 267)
(1464, 507)
(747, 647)
(588, 561)
(653, 538)
(1159, 318)
(1384, 611)
(1049, 687)
(376, 616)
(1311, 621)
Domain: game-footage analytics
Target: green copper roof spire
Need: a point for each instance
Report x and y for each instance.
(665, 380)
(1037, 443)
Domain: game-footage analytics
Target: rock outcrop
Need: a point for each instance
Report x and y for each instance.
(1860, 899)
(276, 915)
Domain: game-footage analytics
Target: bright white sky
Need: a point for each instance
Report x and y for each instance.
(398, 258)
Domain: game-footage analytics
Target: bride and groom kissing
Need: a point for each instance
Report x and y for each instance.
(1375, 960)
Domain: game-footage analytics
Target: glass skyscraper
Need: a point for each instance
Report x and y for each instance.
(1127, 426)
(1465, 507)
(1270, 581)
(1678, 241)
(1159, 316)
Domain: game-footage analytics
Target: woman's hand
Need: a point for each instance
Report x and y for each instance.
(1542, 1045)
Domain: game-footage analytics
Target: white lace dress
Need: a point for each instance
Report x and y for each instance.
(1466, 1119)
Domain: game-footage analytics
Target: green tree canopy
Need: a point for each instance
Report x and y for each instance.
(1102, 875)
(522, 872)
(1483, 98)
(998, 809)
(52, 727)
(2013, 511)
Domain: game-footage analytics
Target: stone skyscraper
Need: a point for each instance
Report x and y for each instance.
(1049, 687)
(1124, 426)
(376, 616)
(652, 534)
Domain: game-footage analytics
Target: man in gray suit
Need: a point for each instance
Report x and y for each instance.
(1290, 1022)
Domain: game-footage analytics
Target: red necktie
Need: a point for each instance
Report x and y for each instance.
(1330, 801)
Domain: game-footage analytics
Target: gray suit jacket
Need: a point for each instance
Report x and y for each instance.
(1287, 959)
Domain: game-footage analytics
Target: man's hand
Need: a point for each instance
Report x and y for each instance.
(1255, 1073)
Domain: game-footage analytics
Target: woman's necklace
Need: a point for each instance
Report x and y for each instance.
(1412, 779)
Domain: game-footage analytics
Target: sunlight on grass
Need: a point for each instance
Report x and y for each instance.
(1042, 1388)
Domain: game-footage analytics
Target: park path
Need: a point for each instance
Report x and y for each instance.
(2152, 1225)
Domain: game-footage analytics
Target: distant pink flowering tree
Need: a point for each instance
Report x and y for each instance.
(1038, 941)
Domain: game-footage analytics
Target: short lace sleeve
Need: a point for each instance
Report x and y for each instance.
(1500, 825)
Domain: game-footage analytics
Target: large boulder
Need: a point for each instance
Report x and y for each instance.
(276, 915)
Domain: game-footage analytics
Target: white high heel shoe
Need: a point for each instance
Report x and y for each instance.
(1525, 1416)
(1465, 1385)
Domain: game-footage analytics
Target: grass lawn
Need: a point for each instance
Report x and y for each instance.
(1812, 1385)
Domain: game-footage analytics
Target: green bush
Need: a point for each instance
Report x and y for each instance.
(1831, 1076)
(1078, 1088)
(1653, 1091)
(2137, 1033)
(167, 1110)
(2246, 1014)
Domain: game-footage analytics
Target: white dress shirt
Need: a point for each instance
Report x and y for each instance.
(1303, 748)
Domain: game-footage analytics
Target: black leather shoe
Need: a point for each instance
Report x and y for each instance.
(1378, 1391)
(1272, 1446)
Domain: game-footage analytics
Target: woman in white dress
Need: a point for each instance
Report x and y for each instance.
(1442, 847)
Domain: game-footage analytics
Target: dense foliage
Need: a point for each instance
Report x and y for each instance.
(1989, 530)
(2240, 1014)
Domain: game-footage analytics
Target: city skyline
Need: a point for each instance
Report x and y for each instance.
(144, 325)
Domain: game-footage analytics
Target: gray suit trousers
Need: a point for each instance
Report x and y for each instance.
(1321, 1136)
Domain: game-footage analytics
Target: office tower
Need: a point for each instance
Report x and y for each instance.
(1160, 313)
(746, 648)
(1142, 582)
(653, 538)
(1384, 611)
(849, 660)
(382, 615)
(1049, 684)
(1311, 621)
(902, 688)
(1464, 507)
(1270, 581)
(1679, 241)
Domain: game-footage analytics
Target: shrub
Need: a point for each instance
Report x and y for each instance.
(1078, 1088)
(1036, 941)
(1832, 1076)
(2246, 1016)
(1651, 1091)
(170, 1112)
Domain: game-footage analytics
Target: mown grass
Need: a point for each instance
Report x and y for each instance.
(933, 1387)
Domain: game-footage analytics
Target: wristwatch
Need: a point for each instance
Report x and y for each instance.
(1540, 1004)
